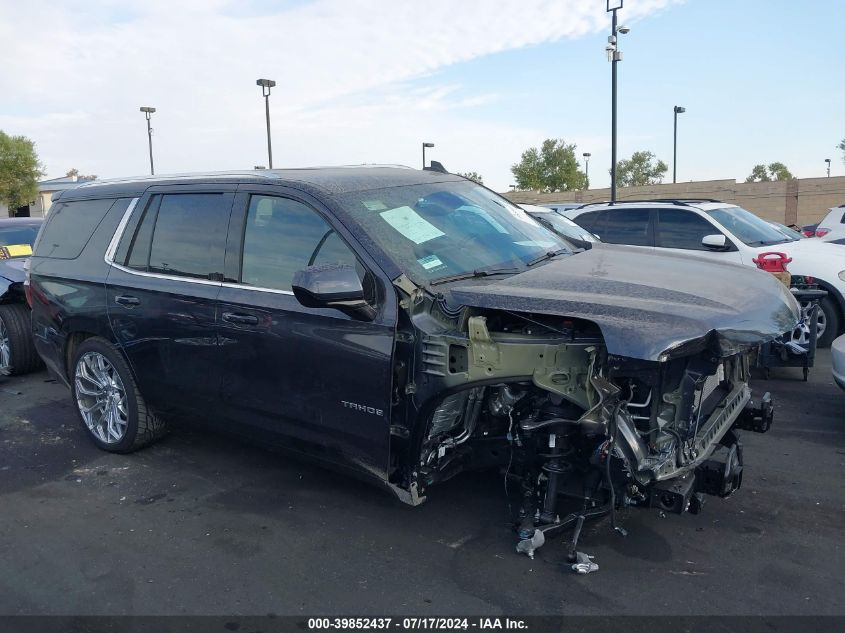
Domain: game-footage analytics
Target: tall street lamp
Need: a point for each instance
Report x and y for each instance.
(827, 160)
(678, 110)
(614, 55)
(148, 113)
(266, 84)
(424, 145)
(586, 156)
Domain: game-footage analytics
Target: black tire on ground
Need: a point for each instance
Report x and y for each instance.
(144, 426)
(16, 323)
(834, 322)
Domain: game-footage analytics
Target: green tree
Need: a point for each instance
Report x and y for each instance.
(758, 174)
(552, 167)
(473, 175)
(778, 171)
(643, 168)
(75, 172)
(19, 170)
(841, 146)
(774, 171)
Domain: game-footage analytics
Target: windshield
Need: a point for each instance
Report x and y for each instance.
(787, 230)
(565, 227)
(442, 230)
(18, 240)
(748, 227)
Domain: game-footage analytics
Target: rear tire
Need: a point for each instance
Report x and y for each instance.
(833, 322)
(108, 402)
(17, 349)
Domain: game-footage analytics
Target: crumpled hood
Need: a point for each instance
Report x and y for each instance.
(12, 269)
(647, 303)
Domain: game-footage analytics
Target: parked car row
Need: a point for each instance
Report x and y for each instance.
(404, 326)
(17, 352)
(721, 232)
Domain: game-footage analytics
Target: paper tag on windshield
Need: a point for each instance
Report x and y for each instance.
(15, 250)
(432, 261)
(411, 224)
(374, 205)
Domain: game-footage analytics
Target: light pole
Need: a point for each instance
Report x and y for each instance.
(424, 145)
(827, 160)
(266, 84)
(586, 156)
(614, 55)
(678, 110)
(148, 112)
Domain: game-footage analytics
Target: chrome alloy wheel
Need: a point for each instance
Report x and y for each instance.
(5, 348)
(801, 334)
(101, 397)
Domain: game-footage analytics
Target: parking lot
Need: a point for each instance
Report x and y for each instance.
(205, 523)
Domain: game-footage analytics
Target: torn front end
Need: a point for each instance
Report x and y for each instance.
(578, 431)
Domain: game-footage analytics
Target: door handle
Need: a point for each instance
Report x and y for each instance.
(240, 319)
(127, 301)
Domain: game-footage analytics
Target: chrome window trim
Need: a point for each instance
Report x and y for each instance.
(143, 273)
(118, 235)
(239, 286)
(118, 232)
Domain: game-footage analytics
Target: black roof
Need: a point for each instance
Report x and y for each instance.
(326, 180)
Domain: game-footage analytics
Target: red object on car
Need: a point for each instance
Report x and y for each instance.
(822, 232)
(772, 262)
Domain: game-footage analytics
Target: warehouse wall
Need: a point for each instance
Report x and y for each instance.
(797, 201)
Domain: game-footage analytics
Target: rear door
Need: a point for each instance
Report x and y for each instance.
(162, 290)
(682, 231)
(624, 225)
(318, 376)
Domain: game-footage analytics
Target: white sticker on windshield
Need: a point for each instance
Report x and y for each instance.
(411, 224)
(432, 261)
(374, 205)
(539, 243)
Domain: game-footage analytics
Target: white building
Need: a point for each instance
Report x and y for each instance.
(39, 207)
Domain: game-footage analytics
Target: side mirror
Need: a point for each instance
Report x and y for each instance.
(715, 242)
(332, 286)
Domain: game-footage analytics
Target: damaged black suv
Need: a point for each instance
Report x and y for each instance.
(406, 325)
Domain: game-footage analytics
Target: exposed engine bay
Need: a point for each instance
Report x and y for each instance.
(580, 432)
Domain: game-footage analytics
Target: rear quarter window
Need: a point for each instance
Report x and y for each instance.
(69, 226)
(588, 220)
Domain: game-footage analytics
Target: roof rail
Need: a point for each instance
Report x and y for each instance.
(686, 202)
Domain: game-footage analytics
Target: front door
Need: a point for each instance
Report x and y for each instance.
(318, 376)
(162, 296)
(682, 231)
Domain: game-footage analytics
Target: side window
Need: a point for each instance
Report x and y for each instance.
(682, 229)
(625, 226)
(589, 221)
(138, 247)
(69, 227)
(282, 236)
(182, 234)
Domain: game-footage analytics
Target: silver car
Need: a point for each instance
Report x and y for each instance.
(838, 354)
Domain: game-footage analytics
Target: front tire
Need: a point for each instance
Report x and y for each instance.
(108, 402)
(17, 349)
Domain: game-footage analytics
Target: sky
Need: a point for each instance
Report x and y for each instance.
(367, 81)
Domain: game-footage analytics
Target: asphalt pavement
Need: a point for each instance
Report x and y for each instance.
(203, 523)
